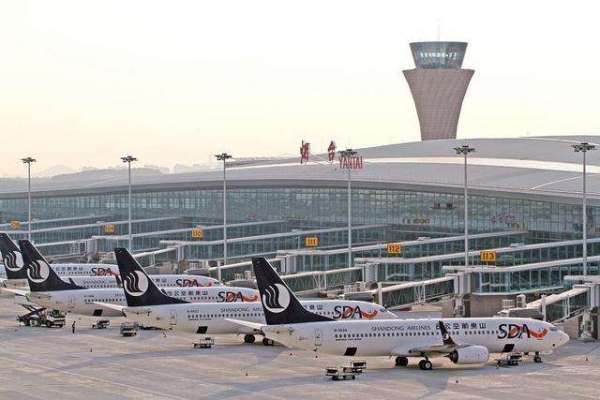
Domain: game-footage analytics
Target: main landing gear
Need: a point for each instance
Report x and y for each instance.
(425, 365)
(251, 339)
(537, 358)
(401, 361)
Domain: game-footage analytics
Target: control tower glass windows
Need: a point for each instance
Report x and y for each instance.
(438, 55)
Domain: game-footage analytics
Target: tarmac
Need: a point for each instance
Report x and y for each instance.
(53, 363)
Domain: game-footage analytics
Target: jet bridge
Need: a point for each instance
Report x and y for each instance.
(410, 293)
(556, 308)
(300, 282)
(580, 299)
(323, 280)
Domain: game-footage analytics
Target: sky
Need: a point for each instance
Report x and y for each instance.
(85, 82)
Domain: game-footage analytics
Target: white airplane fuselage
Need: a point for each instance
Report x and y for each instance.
(104, 275)
(406, 337)
(108, 281)
(67, 270)
(84, 301)
(212, 318)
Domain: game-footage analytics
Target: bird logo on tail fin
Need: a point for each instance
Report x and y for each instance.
(38, 271)
(13, 261)
(276, 298)
(135, 283)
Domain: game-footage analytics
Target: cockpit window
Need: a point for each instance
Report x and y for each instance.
(553, 329)
(382, 309)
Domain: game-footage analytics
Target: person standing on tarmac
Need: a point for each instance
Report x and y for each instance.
(73, 327)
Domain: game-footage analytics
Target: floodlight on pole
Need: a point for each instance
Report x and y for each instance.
(346, 154)
(129, 159)
(224, 157)
(464, 150)
(28, 161)
(583, 148)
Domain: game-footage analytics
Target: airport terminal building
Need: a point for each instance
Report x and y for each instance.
(531, 184)
(524, 206)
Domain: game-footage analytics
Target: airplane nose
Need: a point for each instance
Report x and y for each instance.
(564, 338)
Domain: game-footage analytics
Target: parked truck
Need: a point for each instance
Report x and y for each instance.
(42, 317)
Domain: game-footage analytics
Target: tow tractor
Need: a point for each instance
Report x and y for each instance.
(42, 317)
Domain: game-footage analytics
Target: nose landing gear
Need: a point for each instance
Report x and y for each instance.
(537, 358)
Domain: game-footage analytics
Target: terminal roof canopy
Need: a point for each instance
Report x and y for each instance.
(540, 166)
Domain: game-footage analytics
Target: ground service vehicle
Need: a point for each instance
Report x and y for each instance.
(42, 317)
(129, 329)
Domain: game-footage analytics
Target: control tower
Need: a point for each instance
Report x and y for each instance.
(438, 85)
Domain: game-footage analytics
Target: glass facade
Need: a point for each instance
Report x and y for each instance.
(151, 240)
(98, 228)
(418, 213)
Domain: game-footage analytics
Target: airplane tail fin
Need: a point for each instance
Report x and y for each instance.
(40, 275)
(280, 304)
(12, 258)
(139, 289)
(446, 339)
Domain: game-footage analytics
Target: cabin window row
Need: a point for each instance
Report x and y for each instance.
(384, 334)
(391, 334)
(195, 316)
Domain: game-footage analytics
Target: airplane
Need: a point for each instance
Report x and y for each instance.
(149, 306)
(48, 290)
(12, 274)
(462, 340)
(13, 261)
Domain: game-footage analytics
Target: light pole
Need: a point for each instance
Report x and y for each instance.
(584, 147)
(129, 159)
(465, 150)
(347, 154)
(224, 157)
(28, 161)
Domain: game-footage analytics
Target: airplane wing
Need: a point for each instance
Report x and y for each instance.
(247, 324)
(123, 309)
(447, 346)
(429, 350)
(111, 306)
(18, 292)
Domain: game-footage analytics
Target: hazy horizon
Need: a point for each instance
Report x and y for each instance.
(176, 82)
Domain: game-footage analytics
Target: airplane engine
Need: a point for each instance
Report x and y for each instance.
(470, 355)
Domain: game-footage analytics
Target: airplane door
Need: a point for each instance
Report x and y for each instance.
(173, 318)
(318, 335)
